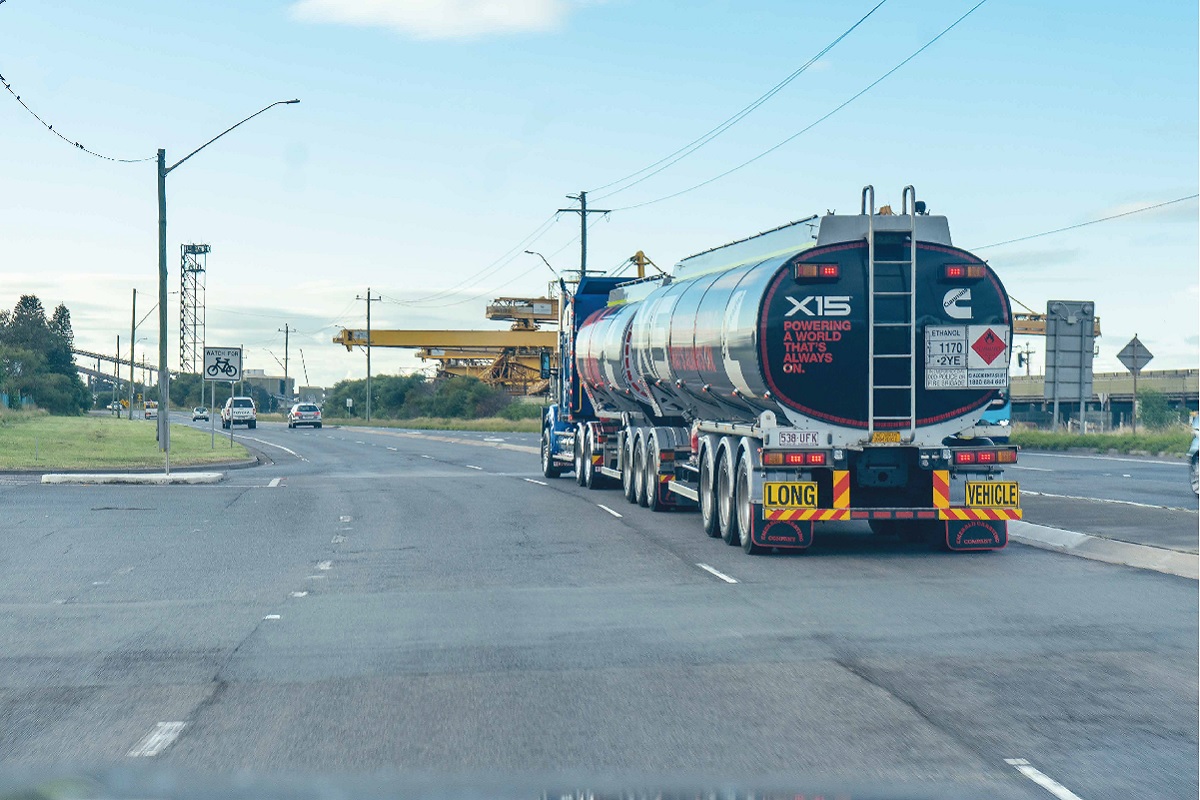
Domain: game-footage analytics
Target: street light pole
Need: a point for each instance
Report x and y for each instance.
(164, 375)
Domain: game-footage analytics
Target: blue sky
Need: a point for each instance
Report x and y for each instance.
(434, 134)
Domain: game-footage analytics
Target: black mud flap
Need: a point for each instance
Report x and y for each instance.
(792, 535)
(976, 534)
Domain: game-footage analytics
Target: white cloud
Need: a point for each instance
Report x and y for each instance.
(438, 19)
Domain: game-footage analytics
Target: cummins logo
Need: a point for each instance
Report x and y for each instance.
(957, 303)
(815, 305)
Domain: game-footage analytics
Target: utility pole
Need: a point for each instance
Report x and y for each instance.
(132, 344)
(286, 335)
(117, 376)
(583, 212)
(369, 300)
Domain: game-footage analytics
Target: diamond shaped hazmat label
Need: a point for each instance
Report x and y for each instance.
(989, 347)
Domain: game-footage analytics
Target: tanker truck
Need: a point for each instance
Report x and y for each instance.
(830, 370)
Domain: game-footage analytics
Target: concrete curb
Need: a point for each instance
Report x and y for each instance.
(150, 479)
(1111, 551)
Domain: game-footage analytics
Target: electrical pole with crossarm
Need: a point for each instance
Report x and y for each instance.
(583, 212)
(369, 300)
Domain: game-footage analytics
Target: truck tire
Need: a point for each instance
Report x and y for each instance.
(726, 513)
(627, 485)
(639, 470)
(577, 452)
(252, 425)
(591, 478)
(549, 468)
(744, 508)
(708, 495)
(653, 499)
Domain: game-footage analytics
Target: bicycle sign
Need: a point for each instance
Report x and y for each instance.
(223, 364)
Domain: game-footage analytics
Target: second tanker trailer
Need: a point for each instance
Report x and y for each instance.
(778, 381)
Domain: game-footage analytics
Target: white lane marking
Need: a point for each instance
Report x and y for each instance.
(327, 436)
(1031, 469)
(1104, 458)
(287, 450)
(344, 518)
(324, 565)
(99, 583)
(360, 442)
(299, 594)
(425, 456)
(315, 578)
(609, 510)
(337, 539)
(1105, 500)
(274, 483)
(1126, 475)
(492, 439)
(271, 616)
(531, 480)
(157, 740)
(472, 466)
(717, 572)
(1042, 779)
(394, 449)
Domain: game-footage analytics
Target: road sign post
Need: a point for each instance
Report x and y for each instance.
(1134, 356)
(221, 364)
(1070, 338)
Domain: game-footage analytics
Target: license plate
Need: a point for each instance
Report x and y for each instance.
(799, 439)
(993, 494)
(886, 437)
(781, 495)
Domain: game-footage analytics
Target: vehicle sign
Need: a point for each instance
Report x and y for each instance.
(993, 494)
(886, 437)
(780, 495)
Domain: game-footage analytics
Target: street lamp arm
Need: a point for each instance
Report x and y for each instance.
(227, 130)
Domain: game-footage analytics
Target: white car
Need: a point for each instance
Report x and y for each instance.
(239, 411)
(199, 413)
(304, 414)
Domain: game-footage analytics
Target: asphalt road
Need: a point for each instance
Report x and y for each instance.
(373, 601)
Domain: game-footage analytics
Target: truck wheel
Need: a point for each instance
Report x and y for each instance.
(922, 531)
(549, 468)
(1195, 477)
(708, 498)
(577, 452)
(591, 478)
(653, 499)
(745, 509)
(627, 485)
(639, 471)
(725, 510)
(252, 425)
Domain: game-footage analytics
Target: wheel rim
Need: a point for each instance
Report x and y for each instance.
(742, 500)
(627, 470)
(651, 478)
(1195, 477)
(639, 475)
(724, 510)
(545, 450)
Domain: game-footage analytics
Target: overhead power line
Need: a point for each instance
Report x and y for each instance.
(1089, 222)
(812, 125)
(691, 147)
(59, 134)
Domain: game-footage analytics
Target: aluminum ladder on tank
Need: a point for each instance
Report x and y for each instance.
(907, 274)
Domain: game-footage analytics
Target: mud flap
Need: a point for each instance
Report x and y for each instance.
(791, 534)
(976, 534)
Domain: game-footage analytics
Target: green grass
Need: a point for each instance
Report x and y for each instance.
(38, 442)
(492, 424)
(1173, 441)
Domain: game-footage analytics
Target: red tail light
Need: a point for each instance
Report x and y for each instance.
(963, 272)
(985, 457)
(814, 271)
(964, 457)
(815, 459)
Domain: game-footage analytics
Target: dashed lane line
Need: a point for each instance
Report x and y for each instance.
(1042, 779)
(394, 449)
(717, 572)
(274, 484)
(324, 566)
(472, 466)
(609, 510)
(157, 740)
(271, 616)
(531, 480)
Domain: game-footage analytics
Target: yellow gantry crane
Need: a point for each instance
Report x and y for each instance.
(511, 360)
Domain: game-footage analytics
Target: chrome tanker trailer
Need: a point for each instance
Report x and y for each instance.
(829, 370)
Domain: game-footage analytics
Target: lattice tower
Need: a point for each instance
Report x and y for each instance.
(193, 266)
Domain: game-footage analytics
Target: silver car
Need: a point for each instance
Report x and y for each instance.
(304, 414)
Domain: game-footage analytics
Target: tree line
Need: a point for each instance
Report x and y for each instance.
(36, 363)
(407, 396)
